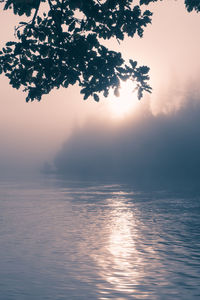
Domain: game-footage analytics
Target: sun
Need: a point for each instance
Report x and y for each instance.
(123, 105)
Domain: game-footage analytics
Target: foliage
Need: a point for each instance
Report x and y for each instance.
(62, 44)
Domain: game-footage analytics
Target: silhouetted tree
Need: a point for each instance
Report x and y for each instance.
(62, 44)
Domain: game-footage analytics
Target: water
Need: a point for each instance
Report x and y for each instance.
(62, 240)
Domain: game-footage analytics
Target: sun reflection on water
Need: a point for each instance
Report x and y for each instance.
(120, 265)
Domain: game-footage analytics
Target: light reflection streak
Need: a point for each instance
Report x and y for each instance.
(121, 264)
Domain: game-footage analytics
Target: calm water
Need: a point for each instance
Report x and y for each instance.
(60, 240)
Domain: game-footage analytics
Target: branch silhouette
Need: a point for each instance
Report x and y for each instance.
(64, 45)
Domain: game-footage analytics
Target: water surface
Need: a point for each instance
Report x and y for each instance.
(67, 240)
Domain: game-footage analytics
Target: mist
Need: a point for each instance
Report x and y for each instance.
(32, 133)
(101, 200)
(143, 148)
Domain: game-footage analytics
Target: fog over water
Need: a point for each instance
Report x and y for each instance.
(145, 148)
(33, 133)
(105, 235)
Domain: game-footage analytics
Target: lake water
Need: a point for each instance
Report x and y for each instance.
(64, 240)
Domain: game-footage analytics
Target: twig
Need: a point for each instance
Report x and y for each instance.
(118, 41)
(36, 12)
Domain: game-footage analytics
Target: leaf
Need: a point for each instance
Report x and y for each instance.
(9, 50)
(23, 23)
(123, 77)
(10, 43)
(143, 69)
(8, 3)
(65, 84)
(133, 63)
(96, 97)
(116, 92)
(86, 96)
(105, 93)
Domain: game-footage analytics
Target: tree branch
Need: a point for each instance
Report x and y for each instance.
(57, 24)
(36, 12)
(50, 5)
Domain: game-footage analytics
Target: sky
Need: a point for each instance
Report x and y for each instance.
(156, 137)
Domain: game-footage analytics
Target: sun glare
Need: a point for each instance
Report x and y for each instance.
(124, 104)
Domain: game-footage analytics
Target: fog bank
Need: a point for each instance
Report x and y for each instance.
(162, 147)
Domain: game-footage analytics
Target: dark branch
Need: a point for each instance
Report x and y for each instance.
(36, 12)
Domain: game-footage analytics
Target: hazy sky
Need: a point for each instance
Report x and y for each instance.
(35, 132)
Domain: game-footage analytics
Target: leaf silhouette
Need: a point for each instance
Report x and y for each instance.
(60, 48)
